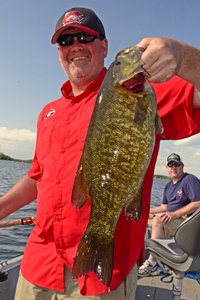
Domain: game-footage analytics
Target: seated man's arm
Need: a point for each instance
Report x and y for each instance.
(186, 210)
(159, 209)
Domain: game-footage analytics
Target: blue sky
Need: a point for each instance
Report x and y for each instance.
(31, 75)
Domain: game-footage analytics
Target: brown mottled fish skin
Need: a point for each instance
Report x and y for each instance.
(117, 152)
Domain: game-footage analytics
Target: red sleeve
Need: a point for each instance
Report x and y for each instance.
(34, 171)
(175, 107)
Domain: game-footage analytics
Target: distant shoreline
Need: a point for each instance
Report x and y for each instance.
(162, 177)
(6, 157)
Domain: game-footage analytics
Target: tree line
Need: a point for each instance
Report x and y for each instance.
(6, 157)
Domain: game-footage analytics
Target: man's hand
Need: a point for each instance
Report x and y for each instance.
(167, 217)
(162, 58)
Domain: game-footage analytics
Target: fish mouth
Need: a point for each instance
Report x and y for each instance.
(135, 84)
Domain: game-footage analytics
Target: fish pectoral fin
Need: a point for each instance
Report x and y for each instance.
(140, 112)
(159, 125)
(93, 257)
(79, 193)
(134, 207)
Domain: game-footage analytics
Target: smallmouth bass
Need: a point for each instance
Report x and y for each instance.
(117, 151)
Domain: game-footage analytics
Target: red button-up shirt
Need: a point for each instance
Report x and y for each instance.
(59, 226)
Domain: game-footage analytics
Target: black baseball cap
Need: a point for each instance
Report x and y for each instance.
(79, 17)
(174, 157)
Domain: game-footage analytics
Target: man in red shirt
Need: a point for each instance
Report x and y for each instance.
(61, 132)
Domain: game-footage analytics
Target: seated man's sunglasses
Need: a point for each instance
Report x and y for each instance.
(174, 164)
(83, 38)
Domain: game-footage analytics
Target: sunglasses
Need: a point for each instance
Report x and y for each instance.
(174, 164)
(83, 38)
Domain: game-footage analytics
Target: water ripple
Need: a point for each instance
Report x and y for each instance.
(13, 239)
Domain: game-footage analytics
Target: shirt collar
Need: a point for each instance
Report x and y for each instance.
(66, 87)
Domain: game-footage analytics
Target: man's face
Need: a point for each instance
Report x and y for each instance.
(82, 63)
(175, 172)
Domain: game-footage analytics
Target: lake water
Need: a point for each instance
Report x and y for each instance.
(13, 239)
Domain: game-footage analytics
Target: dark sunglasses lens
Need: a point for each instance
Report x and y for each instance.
(175, 164)
(84, 38)
(65, 40)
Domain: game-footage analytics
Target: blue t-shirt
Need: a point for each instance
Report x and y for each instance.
(178, 195)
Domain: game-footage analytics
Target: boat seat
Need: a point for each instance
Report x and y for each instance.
(180, 253)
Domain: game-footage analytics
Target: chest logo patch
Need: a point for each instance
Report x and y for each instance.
(50, 113)
(179, 192)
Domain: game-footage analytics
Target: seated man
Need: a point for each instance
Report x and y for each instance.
(181, 199)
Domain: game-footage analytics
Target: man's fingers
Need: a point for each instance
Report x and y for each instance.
(160, 58)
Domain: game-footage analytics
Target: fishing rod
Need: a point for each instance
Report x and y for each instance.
(23, 221)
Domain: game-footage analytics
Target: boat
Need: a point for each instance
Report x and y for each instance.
(151, 287)
(9, 272)
(9, 269)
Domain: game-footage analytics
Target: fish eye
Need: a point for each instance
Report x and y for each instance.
(116, 62)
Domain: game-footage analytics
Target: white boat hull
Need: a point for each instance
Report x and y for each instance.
(11, 267)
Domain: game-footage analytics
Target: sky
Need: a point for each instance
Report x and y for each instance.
(31, 75)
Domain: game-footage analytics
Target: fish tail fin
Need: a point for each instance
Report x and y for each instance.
(93, 257)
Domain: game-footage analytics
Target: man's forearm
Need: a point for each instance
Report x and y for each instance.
(190, 65)
(190, 70)
(23, 193)
(188, 209)
(158, 209)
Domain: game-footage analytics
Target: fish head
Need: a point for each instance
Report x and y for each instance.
(128, 72)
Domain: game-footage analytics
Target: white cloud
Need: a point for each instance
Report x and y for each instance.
(193, 140)
(17, 134)
(17, 143)
(197, 153)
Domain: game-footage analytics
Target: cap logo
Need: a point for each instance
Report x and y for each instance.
(172, 156)
(73, 16)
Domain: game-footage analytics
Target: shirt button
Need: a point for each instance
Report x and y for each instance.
(57, 218)
(63, 151)
(68, 122)
(60, 251)
(58, 181)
